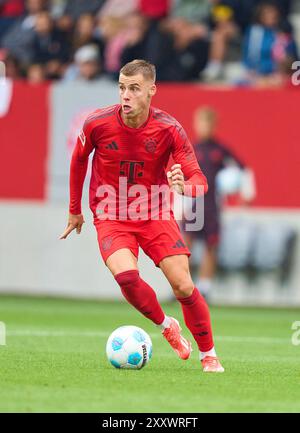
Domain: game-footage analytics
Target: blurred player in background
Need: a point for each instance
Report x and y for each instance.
(213, 157)
(133, 142)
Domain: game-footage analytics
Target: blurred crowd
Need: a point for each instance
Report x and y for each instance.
(187, 40)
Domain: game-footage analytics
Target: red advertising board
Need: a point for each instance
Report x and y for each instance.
(24, 133)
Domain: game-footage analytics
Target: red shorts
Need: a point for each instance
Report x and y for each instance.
(157, 238)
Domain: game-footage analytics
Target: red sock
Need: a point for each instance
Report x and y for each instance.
(197, 319)
(140, 295)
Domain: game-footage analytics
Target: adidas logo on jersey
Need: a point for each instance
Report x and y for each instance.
(112, 146)
(179, 244)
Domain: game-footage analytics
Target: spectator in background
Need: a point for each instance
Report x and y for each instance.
(224, 21)
(146, 40)
(136, 38)
(18, 40)
(212, 157)
(228, 22)
(84, 34)
(74, 9)
(156, 43)
(115, 30)
(183, 38)
(187, 26)
(177, 47)
(10, 11)
(49, 46)
(12, 67)
(242, 11)
(36, 74)
(118, 8)
(268, 43)
(130, 30)
(114, 38)
(190, 49)
(192, 10)
(154, 9)
(86, 66)
(223, 29)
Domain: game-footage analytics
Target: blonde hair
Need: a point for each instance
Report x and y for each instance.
(139, 66)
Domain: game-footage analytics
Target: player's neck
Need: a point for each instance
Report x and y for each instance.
(135, 122)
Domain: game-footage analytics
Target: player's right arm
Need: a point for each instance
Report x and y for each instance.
(78, 169)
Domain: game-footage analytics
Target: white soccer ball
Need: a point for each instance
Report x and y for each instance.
(229, 180)
(129, 347)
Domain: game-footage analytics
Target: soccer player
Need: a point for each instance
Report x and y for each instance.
(213, 156)
(132, 142)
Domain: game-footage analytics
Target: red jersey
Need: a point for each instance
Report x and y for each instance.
(138, 156)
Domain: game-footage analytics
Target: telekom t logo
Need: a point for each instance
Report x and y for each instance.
(2, 334)
(132, 170)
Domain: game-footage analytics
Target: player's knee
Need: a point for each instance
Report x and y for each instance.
(183, 289)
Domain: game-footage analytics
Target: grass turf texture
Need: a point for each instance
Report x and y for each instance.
(54, 361)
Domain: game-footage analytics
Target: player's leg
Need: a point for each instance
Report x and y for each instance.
(158, 239)
(119, 250)
(121, 260)
(163, 243)
(123, 265)
(194, 308)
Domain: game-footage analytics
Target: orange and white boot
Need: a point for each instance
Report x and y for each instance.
(211, 364)
(179, 344)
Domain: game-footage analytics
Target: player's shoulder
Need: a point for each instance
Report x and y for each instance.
(164, 119)
(170, 125)
(100, 116)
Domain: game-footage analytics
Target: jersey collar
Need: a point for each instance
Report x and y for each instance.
(120, 120)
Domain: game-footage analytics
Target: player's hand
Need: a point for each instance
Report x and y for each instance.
(74, 222)
(176, 178)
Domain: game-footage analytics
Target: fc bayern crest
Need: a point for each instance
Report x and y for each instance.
(150, 145)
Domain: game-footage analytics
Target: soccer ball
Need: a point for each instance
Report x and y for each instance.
(229, 180)
(129, 347)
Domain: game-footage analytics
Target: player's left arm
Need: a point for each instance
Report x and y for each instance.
(185, 176)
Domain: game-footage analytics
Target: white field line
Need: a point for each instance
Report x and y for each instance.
(102, 334)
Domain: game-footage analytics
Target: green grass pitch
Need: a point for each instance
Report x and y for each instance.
(54, 361)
